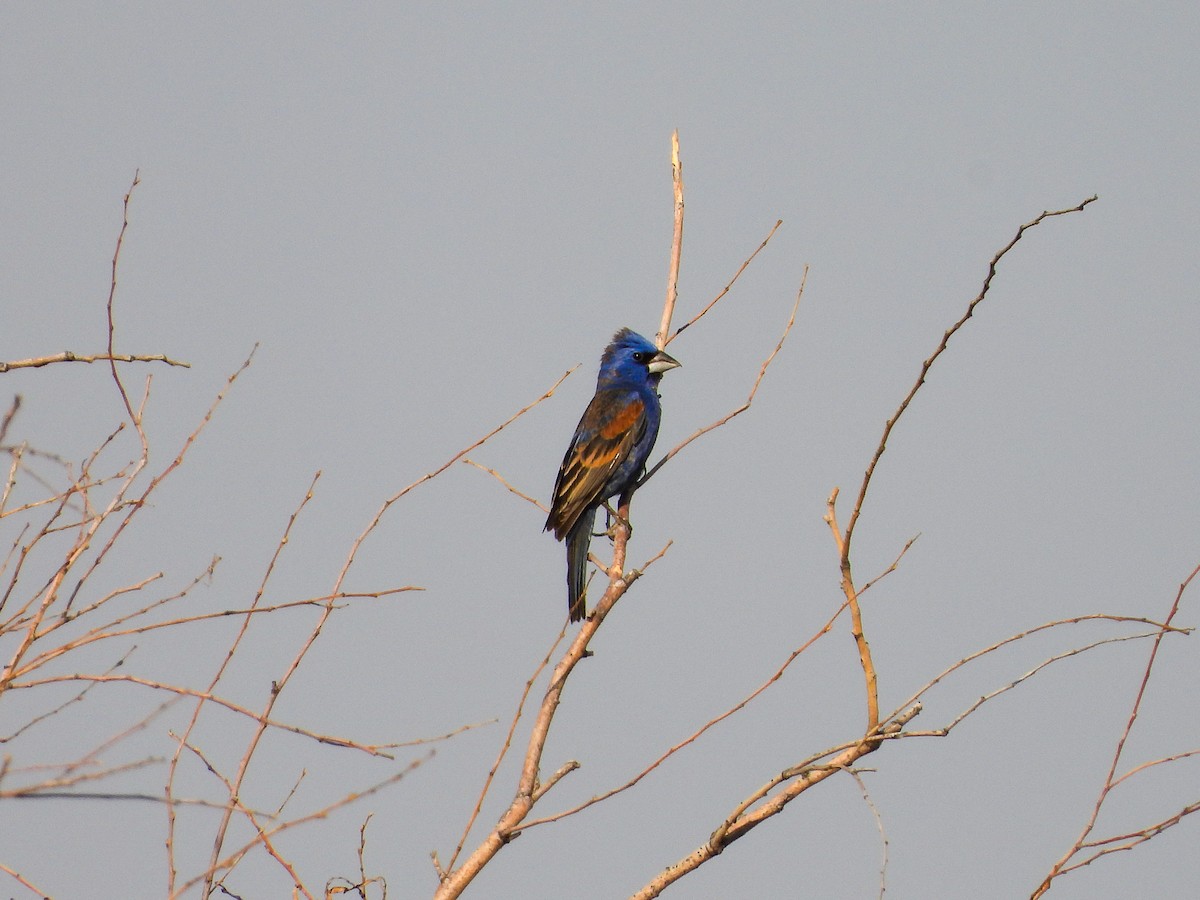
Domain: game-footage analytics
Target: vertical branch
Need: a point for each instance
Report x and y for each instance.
(530, 786)
(843, 539)
(660, 339)
(941, 347)
(856, 623)
(134, 418)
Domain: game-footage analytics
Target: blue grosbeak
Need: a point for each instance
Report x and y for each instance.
(609, 450)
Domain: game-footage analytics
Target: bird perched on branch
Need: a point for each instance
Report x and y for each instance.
(609, 450)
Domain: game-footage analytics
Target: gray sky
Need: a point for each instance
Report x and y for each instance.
(426, 214)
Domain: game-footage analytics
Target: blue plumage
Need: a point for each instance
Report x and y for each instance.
(609, 450)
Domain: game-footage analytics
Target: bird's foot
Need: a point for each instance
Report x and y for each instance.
(614, 519)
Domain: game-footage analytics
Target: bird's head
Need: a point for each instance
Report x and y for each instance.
(631, 356)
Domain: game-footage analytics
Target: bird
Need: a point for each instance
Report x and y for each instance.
(609, 449)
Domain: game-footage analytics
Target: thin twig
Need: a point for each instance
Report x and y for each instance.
(399, 495)
(500, 478)
(24, 882)
(1130, 840)
(134, 417)
(529, 787)
(1111, 781)
(236, 786)
(258, 718)
(139, 502)
(890, 569)
(925, 366)
(233, 858)
(7, 421)
(844, 539)
(725, 290)
(664, 328)
(694, 736)
(1012, 639)
(1150, 764)
(856, 774)
(1058, 657)
(762, 371)
(47, 786)
(504, 747)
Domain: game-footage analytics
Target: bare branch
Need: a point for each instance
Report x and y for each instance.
(856, 622)
(428, 476)
(694, 736)
(664, 328)
(529, 787)
(139, 502)
(36, 362)
(234, 858)
(747, 816)
(1064, 863)
(1075, 620)
(504, 748)
(47, 787)
(4, 425)
(725, 290)
(856, 774)
(454, 880)
(1126, 841)
(259, 718)
(890, 569)
(1058, 657)
(762, 371)
(1150, 764)
(363, 881)
(134, 417)
(500, 478)
(925, 366)
(185, 739)
(844, 539)
(24, 882)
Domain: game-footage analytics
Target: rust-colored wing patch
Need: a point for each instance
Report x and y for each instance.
(607, 434)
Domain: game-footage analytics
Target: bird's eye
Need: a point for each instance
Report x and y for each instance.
(639, 357)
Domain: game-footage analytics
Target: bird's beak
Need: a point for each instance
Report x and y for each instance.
(661, 362)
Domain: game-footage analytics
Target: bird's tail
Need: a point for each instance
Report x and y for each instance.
(578, 541)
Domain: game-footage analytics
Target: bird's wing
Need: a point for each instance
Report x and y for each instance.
(610, 427)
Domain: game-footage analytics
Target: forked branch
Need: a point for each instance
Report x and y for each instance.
(843, 539)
